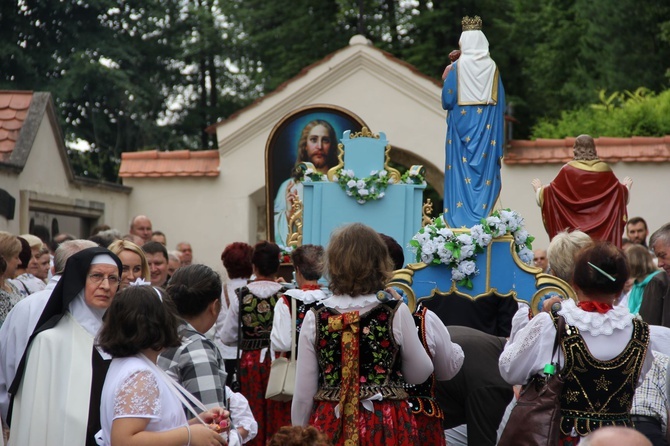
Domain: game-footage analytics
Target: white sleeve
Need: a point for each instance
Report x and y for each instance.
(228, 332)
(280, 336)
(221, 318)
(659, 339)
(307, 373)
(416, 364)
(519, 320)
(530, 352)
(240, 412)
(447, 356)
(138, 396)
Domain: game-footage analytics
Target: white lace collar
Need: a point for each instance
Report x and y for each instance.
(345, 302)
(306, 296)
(596, 324)
(264, 288)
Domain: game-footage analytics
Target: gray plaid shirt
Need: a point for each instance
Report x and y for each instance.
(197, 365)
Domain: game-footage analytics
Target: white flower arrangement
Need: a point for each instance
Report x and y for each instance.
(363, 189)
(309, 175)
(437, 244)
(412, 177)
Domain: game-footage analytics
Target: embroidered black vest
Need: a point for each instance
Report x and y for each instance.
(379, 354)
(301, 308)
(422, 396)
(256, 317)
(599, 393)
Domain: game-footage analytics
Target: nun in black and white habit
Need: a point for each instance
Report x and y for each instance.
(56, 392)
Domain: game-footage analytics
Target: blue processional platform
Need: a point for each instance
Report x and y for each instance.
(355, 191)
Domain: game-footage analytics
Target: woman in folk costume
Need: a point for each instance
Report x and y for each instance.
(603, 355)
(60, 377)
(356, 353)
(251, 313)
(236, 259)
(308, 263)
(447, 360)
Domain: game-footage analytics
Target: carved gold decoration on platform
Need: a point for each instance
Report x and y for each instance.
(295, 225)
(393, 173)
(332, 172)
(364, 133)
(426, 212)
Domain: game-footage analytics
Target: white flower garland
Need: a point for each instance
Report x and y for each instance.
(364, 189)
(437, 244)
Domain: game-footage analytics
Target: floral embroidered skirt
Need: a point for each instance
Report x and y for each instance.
(391, 424)
(270, 415)
(429, 430)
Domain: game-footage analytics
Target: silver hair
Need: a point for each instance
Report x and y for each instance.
(67, 249)
(662, 234)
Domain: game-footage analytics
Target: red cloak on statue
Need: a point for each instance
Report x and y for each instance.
(585, 195)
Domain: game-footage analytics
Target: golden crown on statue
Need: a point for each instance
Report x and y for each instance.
(472, 23)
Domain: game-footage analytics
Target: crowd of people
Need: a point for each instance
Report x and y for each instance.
(127, 351)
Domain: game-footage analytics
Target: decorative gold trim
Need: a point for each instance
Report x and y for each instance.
(332, 172)
(553, 283)
(364, 133)
(591, 165)
(393, 173)
(294, 237)
(426, 211)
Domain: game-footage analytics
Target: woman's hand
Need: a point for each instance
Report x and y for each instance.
(202, 435)
(216, 415)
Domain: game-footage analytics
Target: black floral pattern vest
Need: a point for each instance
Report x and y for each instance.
(301, 308)
(422, 396)
(256, 315)
(379, 355)
(599, 393)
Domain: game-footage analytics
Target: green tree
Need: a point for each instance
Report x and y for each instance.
(280, 38)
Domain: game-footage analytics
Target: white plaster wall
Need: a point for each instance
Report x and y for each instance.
(648, 198)
(202, 211)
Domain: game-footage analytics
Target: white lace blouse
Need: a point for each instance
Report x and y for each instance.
(606, 336)
(133, 390)
(416, 364)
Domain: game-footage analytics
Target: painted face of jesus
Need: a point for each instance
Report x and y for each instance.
(318, 146)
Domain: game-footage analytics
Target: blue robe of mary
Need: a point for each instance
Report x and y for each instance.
(474, 149)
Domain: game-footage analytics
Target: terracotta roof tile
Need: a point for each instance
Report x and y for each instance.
(14, 107)
(640, 149)
(180, 163)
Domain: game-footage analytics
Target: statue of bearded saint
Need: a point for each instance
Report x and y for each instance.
(585, 195)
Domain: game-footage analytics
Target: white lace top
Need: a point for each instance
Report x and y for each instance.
(133, 390)
(606, 336)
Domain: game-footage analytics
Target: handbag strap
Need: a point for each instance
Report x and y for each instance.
(178, 390)
(559, 322)
(294, 329)
(239, 333)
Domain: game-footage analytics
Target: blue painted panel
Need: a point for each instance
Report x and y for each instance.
(327, 206)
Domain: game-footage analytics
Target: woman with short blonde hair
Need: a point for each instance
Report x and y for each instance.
(135, 265)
